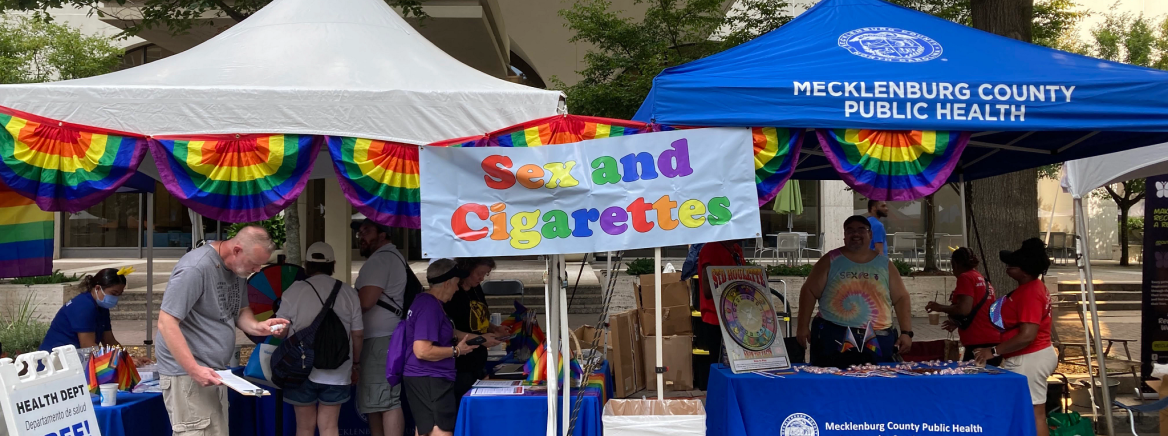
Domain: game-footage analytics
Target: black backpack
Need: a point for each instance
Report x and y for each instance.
(294, 359)
(413, 288)
(331, 343)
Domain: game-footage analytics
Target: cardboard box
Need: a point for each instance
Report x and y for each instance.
(588, 335)
(672, 294)
(676, 320)
(624, 354)
(647, 280)
(677, 357)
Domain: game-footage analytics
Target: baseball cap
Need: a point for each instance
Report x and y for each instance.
(320, 252)
(858, 219)
(381, 228)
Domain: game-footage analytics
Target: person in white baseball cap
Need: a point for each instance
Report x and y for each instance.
(318, 401)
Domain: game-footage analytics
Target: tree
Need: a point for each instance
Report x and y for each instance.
(178, 16)
(33, 51)
(628, 52)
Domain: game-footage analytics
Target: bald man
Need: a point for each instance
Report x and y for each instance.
(205, 300)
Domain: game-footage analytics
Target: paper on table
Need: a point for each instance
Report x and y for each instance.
(498, 383)
(479, 392)
(240, 385)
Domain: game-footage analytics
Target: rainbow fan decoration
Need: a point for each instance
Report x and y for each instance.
(26, 236)
(380, 179)
(563, 129)
(238, 178)
(893, 165)
(776, 152)
(536, 367)
(64, 167)
(265, 288)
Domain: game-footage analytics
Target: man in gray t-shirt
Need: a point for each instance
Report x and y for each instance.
(205, 300)
(381, 286)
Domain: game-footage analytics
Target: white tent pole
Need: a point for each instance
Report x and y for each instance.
(657, 320)
(1050, 222)
(149, 275)
(1086, 330)
(551, 309)
(964, 223)
(565, 352)
(1081, 224)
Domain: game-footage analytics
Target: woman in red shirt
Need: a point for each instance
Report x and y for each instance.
(724, 253)
(1023, 317)
(969, 306)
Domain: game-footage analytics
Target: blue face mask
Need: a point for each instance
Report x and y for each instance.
(109, 301)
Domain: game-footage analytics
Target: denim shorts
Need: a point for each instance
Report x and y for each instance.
(311, 393)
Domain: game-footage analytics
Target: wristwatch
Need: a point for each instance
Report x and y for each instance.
(908, 332)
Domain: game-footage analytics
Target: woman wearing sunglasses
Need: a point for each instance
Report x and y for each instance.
(1023, 317)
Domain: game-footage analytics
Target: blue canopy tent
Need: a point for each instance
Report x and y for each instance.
(868, 64)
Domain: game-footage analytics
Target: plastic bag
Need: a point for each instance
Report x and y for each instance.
(1069, 424)
(653, 418)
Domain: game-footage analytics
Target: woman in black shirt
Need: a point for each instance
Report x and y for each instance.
(468, 309)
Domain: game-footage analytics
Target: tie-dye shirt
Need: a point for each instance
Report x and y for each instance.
(857, 293)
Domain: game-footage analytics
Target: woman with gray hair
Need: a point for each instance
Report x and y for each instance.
(429, 370)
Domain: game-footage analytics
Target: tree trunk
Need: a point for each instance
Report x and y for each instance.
(292, 234)
(1123, 234)
(930, 206)
(1003, 206)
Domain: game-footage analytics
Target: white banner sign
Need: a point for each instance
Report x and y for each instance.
(54, 402)
(639, 191)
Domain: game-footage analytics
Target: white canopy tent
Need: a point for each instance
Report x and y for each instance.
(1079, 178)
(350, 68)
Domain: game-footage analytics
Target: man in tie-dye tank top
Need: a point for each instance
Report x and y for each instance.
(858, 291)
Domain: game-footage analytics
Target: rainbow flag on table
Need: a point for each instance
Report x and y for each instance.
(891, 165)
(236, 178)
(536, 367)
(776, 152)
(26, 236)
(64, 167)
(380, 179)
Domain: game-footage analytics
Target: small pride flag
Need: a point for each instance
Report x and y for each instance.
(870, 341)
(849, 342)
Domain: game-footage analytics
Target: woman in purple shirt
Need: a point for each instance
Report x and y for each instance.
(429, 371)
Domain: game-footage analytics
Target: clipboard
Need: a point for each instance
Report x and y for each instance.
(240, 385)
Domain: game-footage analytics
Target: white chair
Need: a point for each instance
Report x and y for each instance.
(818, 251)
(761, 249)
(788, 243)
(904, 242)
(944, 256)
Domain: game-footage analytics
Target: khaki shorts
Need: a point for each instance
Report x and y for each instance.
(1037, 367)
(194, 410)
(374, 394)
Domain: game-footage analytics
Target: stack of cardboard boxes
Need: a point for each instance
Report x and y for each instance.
(632, 341)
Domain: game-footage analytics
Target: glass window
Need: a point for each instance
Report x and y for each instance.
(909, 216)
(111, 223)
(807, 222)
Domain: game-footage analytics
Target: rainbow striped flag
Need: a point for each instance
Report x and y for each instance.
(380, 179)
(870, 341)
(776, 152)
(103, 369)
(26, 236)
(237, 178)
(890, 165)
(563, 129)
(64, 167)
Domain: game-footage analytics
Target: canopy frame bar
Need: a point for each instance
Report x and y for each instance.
(820, 167)
(1077, 141)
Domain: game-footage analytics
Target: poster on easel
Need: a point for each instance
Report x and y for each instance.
(53, 401)
(750, 326)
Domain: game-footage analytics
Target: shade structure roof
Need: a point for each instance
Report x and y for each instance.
(338, 67)
(1081, 176)
(868, 64)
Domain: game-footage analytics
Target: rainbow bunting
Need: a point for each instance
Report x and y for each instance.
(892, 165)
(776, 152)
(64, 167)
(380, 179)
(237, 178)
(26, 236)
(563, 129)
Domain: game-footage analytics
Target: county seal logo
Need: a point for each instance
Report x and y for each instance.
(890, 44)
(799, 424)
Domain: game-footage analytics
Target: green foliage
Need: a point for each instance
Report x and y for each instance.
(34, 51)
(1054, 20)
(1050, 171)
(175, 16)
(902, 267)
(56, 277)
(19, 332)
(789, 271)
(629, 51)
(274, 226)
(1135, 224)
(640, 266)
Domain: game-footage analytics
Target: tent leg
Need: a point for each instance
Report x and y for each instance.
(551, 308)
(964, 223)
(1086, 329)
(657, 320)
(1081, 225)
(565, 351)
(149, 342)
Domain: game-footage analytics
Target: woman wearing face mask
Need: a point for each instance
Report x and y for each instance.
(85, 320)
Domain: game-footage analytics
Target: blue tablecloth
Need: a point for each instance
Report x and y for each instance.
(527, 414)
(135, 414)
(256, 416)
(750, 404)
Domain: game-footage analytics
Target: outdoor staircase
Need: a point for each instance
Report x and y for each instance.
(1112, 296)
